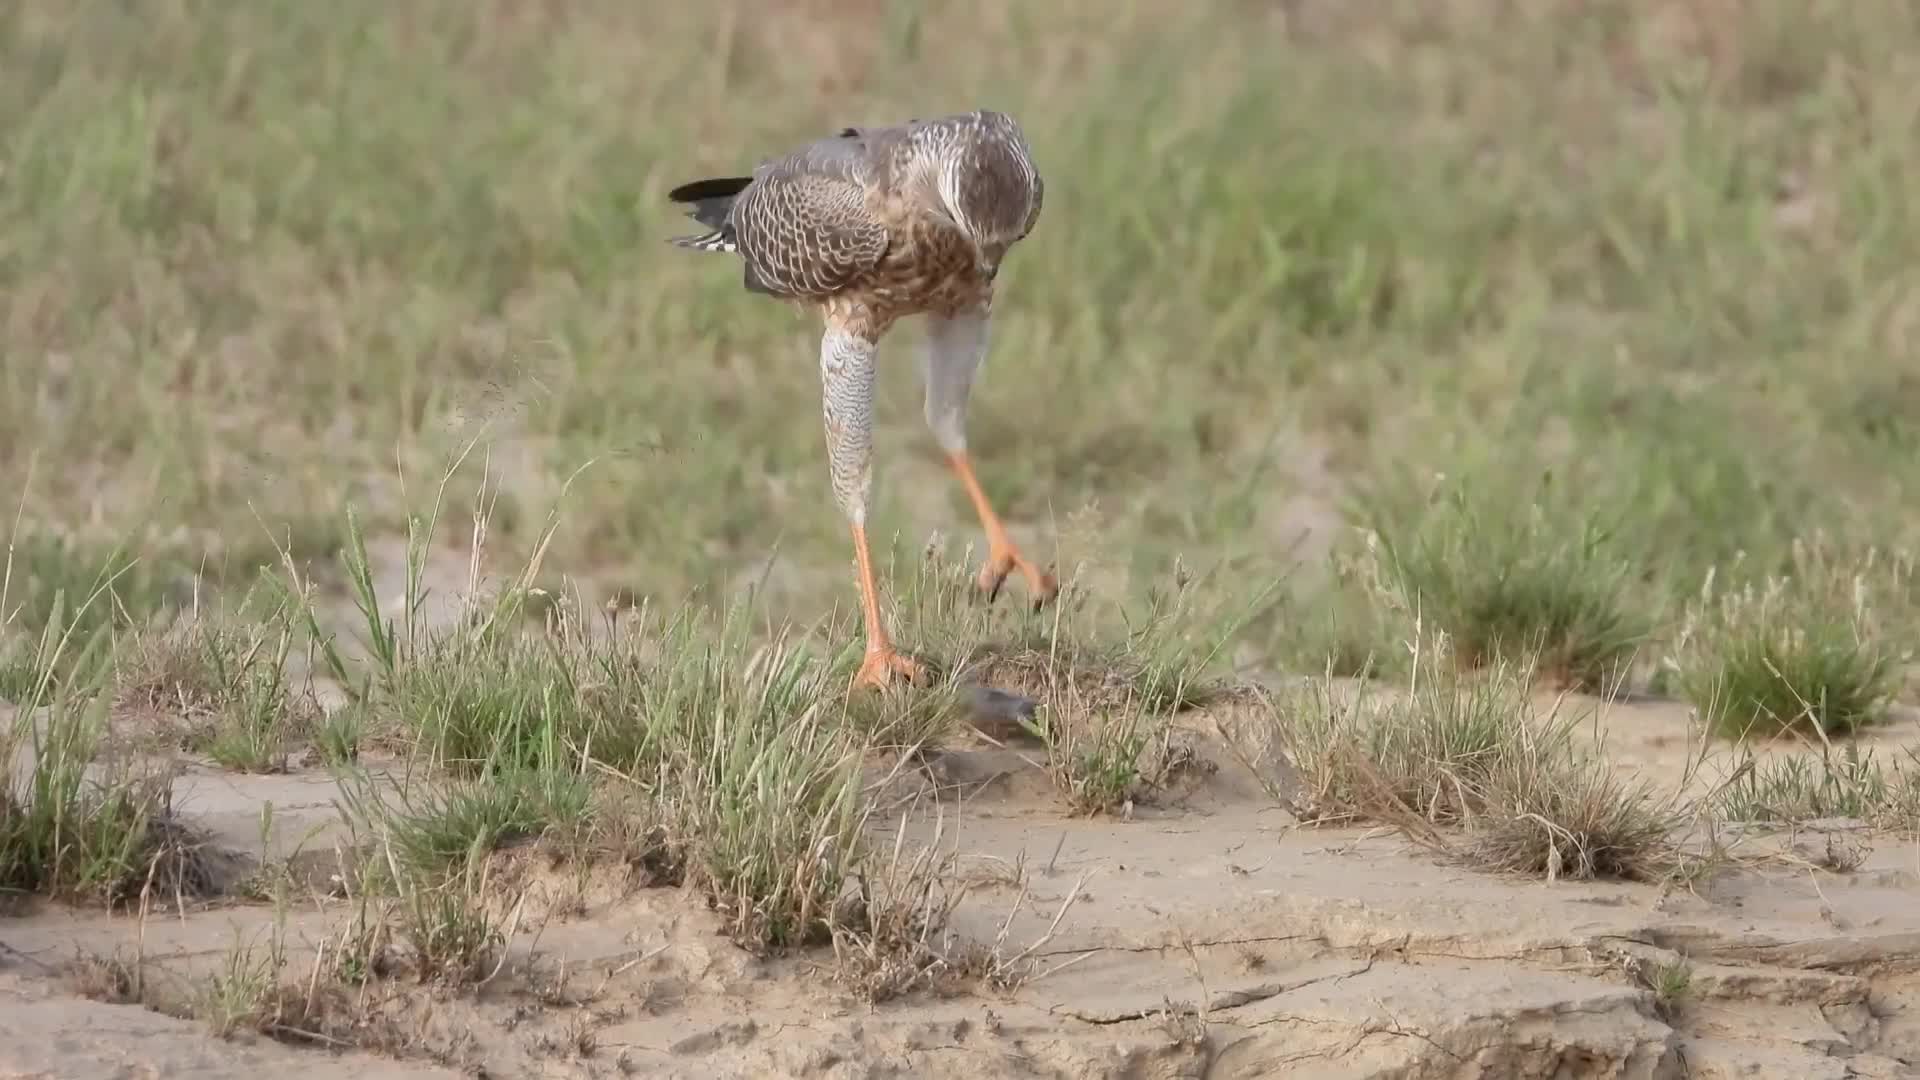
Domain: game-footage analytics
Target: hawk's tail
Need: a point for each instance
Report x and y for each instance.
(709, 202)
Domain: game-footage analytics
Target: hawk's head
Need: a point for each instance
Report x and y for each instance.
(990, 185)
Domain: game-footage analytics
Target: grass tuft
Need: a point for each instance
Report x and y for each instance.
(1457, 750)
(768, 789)
(1803, 653)
(1838, 782)
(76, 825)
(1670, 982)
(1162, 655)
(1555, 810)
(1097, 755)
(434, 831)
(743, 748)
(1528, 576)
(893, 932)
(226, 677)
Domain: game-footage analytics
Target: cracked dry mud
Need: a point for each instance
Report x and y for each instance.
(1211, 938)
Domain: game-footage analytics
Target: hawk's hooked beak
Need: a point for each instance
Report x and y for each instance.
(987, 258)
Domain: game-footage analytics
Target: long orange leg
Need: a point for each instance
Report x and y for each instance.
(883, 660)
(956, 344)
(1002, 556)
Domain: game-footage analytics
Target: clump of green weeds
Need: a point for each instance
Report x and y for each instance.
(240, 994)
(481, 700)
(422, 890)
(1097, 755)
(449, 935)
(434, 829)
(339, 734)
(1804, 652)
(765, 783)
(72, 825)
(1521, 575)
(1838, 782)
(474, 695)
(1670, 981)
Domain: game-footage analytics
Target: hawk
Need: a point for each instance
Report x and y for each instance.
(867, 227)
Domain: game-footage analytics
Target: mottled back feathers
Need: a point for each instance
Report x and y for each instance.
(820, 220)
(805, 225)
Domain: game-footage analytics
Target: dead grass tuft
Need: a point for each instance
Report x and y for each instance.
(892, 934)
(1458, 750)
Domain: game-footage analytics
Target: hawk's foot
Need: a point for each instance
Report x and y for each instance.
(1004, 560)
(885, 666)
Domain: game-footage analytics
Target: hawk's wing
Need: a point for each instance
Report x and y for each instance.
(803, 225)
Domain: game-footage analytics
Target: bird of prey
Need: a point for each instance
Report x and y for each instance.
(866, 227)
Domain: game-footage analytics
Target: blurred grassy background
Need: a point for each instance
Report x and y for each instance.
(257, 258)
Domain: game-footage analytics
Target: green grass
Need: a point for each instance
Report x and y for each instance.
(1671, 984)
(1095, 755)
(433, 832)
(1844, 782)
(1586, 247)
(1526, 571)
(75, 822)
(42, 568)
(1807, 652)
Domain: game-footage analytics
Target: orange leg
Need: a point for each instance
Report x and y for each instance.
(883, 661)
(1002, 557)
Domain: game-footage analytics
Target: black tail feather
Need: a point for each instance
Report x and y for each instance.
(710, 199)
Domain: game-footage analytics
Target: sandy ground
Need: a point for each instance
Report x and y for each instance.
(1211, 937)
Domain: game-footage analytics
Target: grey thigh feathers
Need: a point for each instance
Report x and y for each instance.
(955, 348)
(846, 383)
